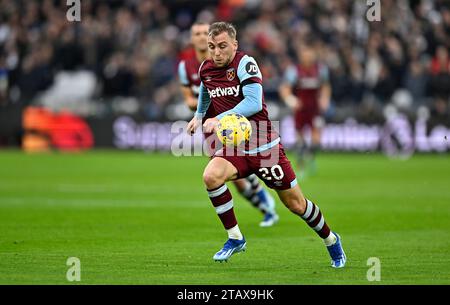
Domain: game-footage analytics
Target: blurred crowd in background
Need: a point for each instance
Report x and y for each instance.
(122, 57)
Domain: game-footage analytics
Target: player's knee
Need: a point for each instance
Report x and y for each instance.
(212, 179)
(302, 205)
(297, 205)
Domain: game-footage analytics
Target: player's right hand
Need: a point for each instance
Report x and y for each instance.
(211, 125)
(193, 125)
(293, 103)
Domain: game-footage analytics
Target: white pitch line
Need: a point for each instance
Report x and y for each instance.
(39, 201)
(98, 188)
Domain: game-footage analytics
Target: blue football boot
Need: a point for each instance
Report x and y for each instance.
(270, 217)
(229, 248)
(337, 254)
(269, 220)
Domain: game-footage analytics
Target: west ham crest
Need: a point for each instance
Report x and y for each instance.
(231, 74)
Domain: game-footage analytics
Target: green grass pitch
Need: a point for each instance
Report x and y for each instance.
(141, 218)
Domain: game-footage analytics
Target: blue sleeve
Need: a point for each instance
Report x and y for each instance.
(248, 68)
(290, 75)
(251, 104)
(202, 102)
(182, 75)
(324, 74)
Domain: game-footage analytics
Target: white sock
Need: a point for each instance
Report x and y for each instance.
(235, 233)
(330, 240)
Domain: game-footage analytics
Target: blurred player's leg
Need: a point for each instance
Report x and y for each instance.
(216, 173)
(251, 189)
(310, 213)
(301, 149)
(267, 203)
(306, 152)
(316, 134)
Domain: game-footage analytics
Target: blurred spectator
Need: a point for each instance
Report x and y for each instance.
(3, 81)
(416, 81)
(440, 85)
(69, 52)
(117, 77)
(133, 47)
(441, 61)
(385, 86)
(36, 71)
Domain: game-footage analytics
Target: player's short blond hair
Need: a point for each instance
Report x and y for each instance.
(218, 28)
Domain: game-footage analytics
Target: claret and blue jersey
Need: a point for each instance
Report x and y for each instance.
(237, 88)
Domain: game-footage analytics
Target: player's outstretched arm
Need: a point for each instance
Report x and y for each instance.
(285, 92)
(251, 104)
(203, 103)
(324, 96)
(290, 77)
(325, 88)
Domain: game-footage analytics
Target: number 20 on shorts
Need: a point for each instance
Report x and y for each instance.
(275, 172)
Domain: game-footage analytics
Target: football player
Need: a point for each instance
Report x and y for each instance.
(264, 155)
(249, 187)
(307, 91)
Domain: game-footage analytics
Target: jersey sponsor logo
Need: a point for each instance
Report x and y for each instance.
(218, 92)
(251, 68)
(278, 183)
(309, 83)
(231, 73)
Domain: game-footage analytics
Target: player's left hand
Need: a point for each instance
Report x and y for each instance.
(193, 125)
(211, 125)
